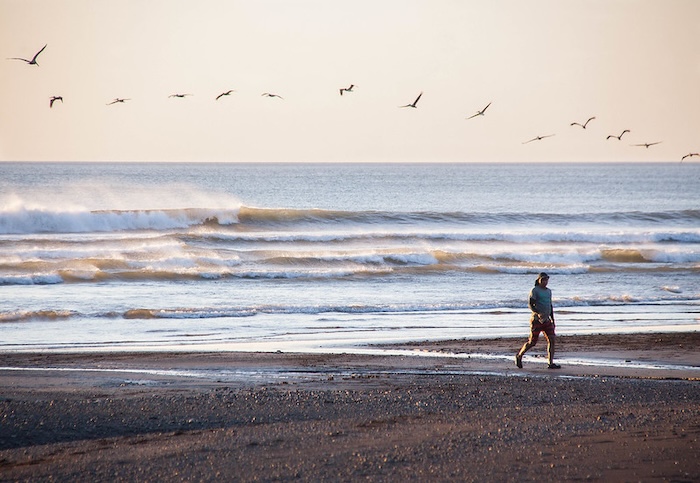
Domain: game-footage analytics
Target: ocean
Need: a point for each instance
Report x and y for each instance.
(337, 257)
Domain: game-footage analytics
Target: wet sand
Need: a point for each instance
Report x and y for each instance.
(622, 408)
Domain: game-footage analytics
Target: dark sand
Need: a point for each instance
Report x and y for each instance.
(271, 417)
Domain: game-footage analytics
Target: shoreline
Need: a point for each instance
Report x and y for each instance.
(441, 414)
(645, 356)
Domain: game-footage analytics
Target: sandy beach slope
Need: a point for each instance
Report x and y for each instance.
(624, 408)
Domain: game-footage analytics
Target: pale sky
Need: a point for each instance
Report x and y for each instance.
(542, 64)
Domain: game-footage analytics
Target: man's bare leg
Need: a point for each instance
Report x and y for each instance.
(551, 339)
(519, 356)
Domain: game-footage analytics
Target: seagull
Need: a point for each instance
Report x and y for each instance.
(30, 62)
(584, 124)
(227, 93)
(689, 155)
(117, 100)
(413, 104)
(646, 145)
(54, 99)
(481, 112)
(179, 95)
(619, 138)
(346, 89)
(539, 138)
(267, 94)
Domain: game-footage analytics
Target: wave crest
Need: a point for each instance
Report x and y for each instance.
(21, 316)
(25, 218)
(29, 221)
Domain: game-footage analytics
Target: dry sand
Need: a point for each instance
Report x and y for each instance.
(633, 416)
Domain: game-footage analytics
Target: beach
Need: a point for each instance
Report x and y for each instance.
(461, 411)
(262, 242)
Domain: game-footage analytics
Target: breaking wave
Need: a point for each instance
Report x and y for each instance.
(674, 295)
(26, 220)
(42, 246)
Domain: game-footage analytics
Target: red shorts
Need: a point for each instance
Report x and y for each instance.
(537, 326)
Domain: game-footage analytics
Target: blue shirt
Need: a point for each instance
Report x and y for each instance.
(541, 300)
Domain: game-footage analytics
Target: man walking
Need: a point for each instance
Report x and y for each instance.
(542, 320)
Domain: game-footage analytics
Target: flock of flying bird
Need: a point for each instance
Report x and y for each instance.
(414, 104)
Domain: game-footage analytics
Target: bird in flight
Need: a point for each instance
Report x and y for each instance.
(227, 93)
(646, 145)
(267, 94)
(346, 89)
(30, 62)
(413, 104)
(54, 99)
(117, 100)
(619, 138)
(179, 95)
(584, 124)
(481, 112)
(539, 138)
(689, 155)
